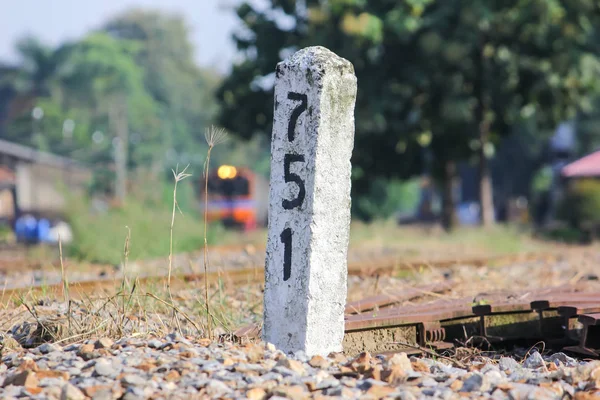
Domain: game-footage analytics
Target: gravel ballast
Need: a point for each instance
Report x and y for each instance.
(178, 367)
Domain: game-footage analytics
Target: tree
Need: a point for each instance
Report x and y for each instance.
(103, 72)
(182, 91)
(37, 77)
(451, 76)
(39, 69)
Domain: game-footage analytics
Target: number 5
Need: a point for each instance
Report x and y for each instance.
(291, 177)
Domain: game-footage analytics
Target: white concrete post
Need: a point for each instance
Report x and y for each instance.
(309, 202)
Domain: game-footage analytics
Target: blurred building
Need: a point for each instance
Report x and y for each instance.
(35, 182)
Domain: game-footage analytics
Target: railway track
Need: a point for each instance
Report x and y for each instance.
(561, 317)
(255, 274)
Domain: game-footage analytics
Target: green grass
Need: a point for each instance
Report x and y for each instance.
(419, 241)
(100, 236)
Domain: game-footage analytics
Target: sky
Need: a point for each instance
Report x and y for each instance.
(211, 23)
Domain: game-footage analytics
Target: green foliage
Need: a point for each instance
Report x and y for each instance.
(40, 69)
(142, 61)
(580, 206)
(182, 91)
(387, 198)
(101, 65)
(563, 234)
(452, 76)
(542, 180)
(99, 236)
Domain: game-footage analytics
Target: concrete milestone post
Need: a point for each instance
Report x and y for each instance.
(309, 202)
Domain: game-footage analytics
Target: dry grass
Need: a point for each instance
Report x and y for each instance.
(214, 136)
(132, 310)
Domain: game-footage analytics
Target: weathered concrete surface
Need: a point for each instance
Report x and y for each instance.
(305, 297)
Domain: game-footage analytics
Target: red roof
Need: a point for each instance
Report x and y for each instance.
(588, 166)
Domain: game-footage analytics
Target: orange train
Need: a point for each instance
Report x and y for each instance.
(237, 197)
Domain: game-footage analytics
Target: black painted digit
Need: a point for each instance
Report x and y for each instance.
(291, 177)
(296, 113)
(286, 239)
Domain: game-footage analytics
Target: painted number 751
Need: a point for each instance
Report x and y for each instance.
(290, 177)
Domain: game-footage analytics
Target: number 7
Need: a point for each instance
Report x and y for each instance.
(296, 113)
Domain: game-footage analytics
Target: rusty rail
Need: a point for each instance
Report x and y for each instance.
(534, 315)
(255, 274)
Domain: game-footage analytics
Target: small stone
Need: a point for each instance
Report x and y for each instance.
(394, 375)
(342, 392)
(363, 358)
(255, 353)
(540, 393)
(86, 352)
(295, 392)
(145, 366)
(301, 356)
(404, 395)
(28, 365)
(324, 384)
(318, 362)
(91, 391)
(134, 393)
(339, 358)
(494, 377)
(562, 358)
(420, 366)
(132, 380)
(595, 374)
(104, 367)
(292, 365)
(48, 348)
(472, 383)
(361, 363)
(585, 396)
(256, 394)
(428, 382)
(508, 363)
(172, 376)
(43, 374)
(228, 362)
(154, 344)
(488, 367)
(378, 391)
(346, 370)
(71, 347)
(104, 343)
(374, 372)
(456, 385)
(70, 392)
(522, 390)
(271, 347)
(249, 369)
(25, 378)
(534, 361)
(554, 387)
(401, 359)
(217, 388)
(34, 390)
(583, 372)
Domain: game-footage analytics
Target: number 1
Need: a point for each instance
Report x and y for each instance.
(286, 239)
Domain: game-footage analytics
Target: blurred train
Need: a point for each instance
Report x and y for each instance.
(237, 197)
